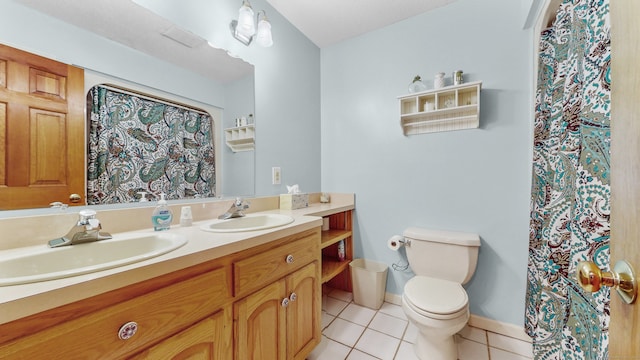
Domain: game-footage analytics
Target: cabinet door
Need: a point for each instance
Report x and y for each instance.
(208, 339)
(304, 311)
(260, 321)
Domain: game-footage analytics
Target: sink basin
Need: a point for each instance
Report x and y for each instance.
(40, 263)
(250, 222)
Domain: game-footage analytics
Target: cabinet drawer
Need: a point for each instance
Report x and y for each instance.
(158, 314)
(259, 270)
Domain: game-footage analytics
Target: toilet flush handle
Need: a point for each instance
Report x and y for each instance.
(622, 278)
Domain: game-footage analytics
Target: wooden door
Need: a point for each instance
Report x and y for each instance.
(260, 321)
(304, 311)
(624, 328)
(41, 130)
(205, 340)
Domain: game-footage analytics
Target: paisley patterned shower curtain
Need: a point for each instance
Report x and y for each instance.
(570, 191)
(140, 145)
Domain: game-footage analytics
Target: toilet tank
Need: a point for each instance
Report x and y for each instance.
(446, 255)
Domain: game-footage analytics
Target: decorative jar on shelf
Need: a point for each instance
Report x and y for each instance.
(438, 80)
(417, 85)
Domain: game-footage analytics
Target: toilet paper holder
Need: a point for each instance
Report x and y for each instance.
(397, 241)
(400, 239)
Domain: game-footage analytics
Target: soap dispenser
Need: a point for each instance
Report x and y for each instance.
(162, 215)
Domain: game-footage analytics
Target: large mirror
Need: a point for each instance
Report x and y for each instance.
(206, 77)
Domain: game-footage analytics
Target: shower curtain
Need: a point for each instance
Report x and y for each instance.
(570, 189)
(139, 145)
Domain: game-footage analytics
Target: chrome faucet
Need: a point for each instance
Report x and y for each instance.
(235, 211)
(87, 229)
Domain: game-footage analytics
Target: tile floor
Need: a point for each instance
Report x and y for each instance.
(354, 332)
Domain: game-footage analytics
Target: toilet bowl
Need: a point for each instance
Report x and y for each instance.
(434, 300)
(439, 309)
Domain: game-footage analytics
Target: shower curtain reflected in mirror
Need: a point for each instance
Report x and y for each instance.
(570, 189)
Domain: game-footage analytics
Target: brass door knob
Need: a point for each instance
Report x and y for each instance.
(74, 198)
(622, 278)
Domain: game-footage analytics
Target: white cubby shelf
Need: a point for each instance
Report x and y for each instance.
(241, 138)
(449, 108)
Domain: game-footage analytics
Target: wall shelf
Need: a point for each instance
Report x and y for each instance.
(241, 138)
(445, 109)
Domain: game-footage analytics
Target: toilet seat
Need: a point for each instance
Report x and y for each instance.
(436, 298)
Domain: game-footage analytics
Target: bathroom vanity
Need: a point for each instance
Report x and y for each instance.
(247, 295)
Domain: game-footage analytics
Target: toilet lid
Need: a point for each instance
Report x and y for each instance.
(435, 296)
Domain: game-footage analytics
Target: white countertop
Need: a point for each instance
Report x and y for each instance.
(18, 301)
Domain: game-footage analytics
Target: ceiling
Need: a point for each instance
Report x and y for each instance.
(132, 25)
(325, 22)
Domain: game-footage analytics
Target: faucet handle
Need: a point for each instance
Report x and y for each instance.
(87, 213)
(93, 224)
(87, 217)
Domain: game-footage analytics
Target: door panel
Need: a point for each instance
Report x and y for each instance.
(260, 322)
(624, 329)
(304, 313)
(41, 130)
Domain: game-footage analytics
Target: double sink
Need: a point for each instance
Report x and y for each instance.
(40, 263)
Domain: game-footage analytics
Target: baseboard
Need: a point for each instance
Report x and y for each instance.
(498, 327)
(476, 321)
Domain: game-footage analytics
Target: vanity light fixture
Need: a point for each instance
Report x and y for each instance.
(244, 29)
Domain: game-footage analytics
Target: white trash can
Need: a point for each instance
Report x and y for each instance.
(369, 280)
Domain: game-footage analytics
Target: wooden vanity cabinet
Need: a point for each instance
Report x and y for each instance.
(260, 303)
(280, 320)
(204, 340)
(173, 315)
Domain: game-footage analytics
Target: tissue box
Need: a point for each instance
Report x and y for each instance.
(294, 201)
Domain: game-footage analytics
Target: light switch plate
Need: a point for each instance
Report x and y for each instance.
(275, 175)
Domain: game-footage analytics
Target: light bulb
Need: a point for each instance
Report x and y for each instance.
(264, 37)
(246, 27)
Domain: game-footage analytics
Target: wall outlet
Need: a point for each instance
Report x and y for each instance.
(275, 175)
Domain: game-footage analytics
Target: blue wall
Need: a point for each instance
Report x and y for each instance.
(471, 180)
(330, 117)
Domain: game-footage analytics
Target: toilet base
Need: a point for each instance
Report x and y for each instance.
(435, 348)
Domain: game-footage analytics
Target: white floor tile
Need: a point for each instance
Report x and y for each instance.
(341, 295)
(509, 344)
(378, 344)
(474, 334)
(497, 354)
(393, 310)
(359, 355)
(326, 319)
(329, 350)
(411, 334)
(344, 332)
(389, 325)
(406, 352)
(471, 350)
(354, 332)
(358, 314)
(334, 306)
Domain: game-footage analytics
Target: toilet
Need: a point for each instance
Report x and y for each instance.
(434, 300)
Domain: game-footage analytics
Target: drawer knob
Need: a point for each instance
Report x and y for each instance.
(293, 297)
(127, 330)
(289, 259)
(285, 302)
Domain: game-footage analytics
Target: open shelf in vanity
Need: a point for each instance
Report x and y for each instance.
(335, 272)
